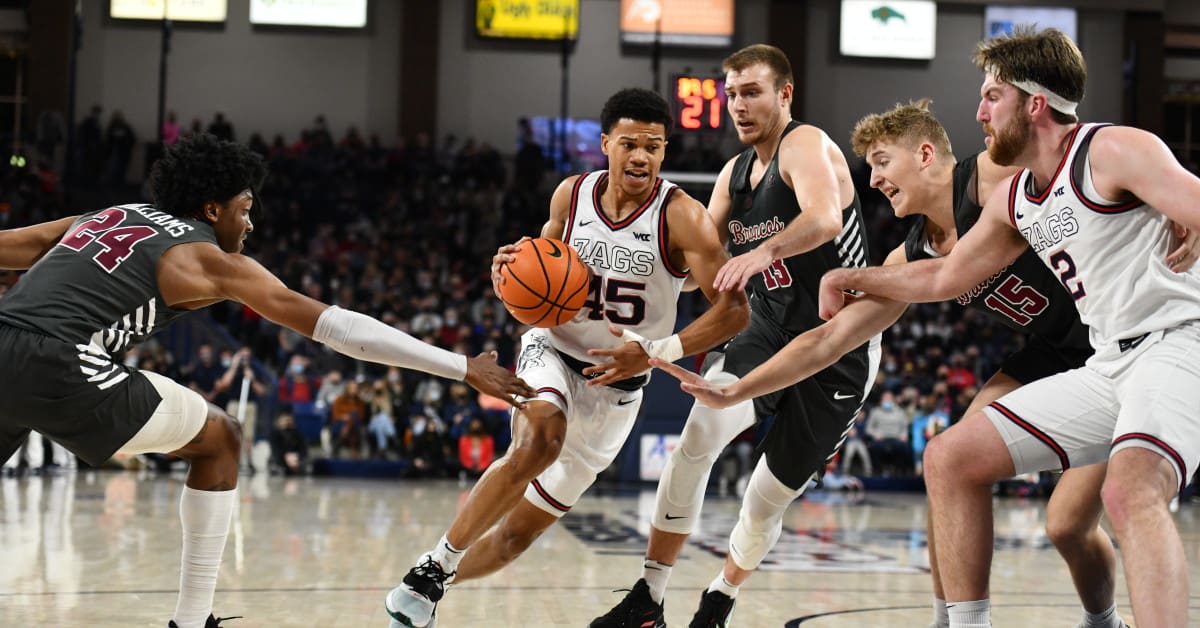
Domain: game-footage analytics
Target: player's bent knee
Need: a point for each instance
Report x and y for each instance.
(1138, 480)
(680, 494)
(752, 539)
(949, 460)
(534, 453)
(1066, 531)
(938, 460)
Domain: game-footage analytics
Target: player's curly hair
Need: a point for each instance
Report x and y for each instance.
(201, 169)
(637, 104)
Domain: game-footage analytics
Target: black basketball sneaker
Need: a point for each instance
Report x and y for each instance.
(211, 622)
(715, 610)
(637, 610)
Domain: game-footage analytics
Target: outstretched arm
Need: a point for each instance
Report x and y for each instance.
(805, 355)
(200, 272)
(21, 248)
(992, 244)
(806, 164)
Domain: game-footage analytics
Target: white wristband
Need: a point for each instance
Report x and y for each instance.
(666, 349)
(362, 337)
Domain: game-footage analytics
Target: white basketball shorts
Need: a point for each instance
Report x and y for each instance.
(1148, 396)
(599, 419)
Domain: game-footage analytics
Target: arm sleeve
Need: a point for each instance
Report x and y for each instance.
(364, 338)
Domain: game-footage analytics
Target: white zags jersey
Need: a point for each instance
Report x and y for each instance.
(634, 285)
(1109, 256)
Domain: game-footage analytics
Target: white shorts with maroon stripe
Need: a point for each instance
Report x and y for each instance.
(599, 420)
(1147, 396)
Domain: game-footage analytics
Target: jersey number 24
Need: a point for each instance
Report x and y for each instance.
(105, 229)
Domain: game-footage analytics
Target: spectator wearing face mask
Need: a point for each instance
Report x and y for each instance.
(887, 427)
(332, 386)
(296, 386)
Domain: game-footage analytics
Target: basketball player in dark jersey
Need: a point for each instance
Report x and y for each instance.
(912, 164)
(100, 282)
(788, 211)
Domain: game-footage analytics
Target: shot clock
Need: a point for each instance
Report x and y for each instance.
(698, 102)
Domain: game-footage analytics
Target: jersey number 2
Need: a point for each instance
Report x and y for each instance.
(1062, 262)
(105, 229)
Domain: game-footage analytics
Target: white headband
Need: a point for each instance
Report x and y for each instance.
(1056, 102)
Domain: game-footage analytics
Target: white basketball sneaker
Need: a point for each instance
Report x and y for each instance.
(412, 604)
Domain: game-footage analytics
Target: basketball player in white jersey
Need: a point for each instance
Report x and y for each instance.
(788, 210)
(912, 163)
(1094, 202)
(641, 236)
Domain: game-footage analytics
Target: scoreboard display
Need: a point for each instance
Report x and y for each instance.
(698, 102)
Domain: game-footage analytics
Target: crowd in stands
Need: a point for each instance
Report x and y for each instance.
(402, 231)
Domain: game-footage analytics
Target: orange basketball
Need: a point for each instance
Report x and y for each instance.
(547, 283)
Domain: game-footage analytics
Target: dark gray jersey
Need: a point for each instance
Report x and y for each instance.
(1025, 296)
(98, 287)
(786, 292)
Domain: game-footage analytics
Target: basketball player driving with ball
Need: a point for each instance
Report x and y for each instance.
(641, 236)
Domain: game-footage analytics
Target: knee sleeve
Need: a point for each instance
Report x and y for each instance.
(761, 519)
(681, 488)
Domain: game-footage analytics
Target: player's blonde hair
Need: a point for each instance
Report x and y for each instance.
(907, 124)
(769, 56)
(1046, 57)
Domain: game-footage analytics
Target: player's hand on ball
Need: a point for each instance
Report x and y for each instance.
(503, 256)
(626, 360)
(484, 375)
(704, 391)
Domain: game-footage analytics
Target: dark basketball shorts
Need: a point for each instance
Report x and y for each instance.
(812, 416)
(83, 400)
(1038, 359)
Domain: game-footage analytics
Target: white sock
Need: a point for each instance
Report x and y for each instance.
(1109, 618)
(974, 614)
(205, 517)
(656, 575)
(447, 555)
(723, 585)
(941, 618)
